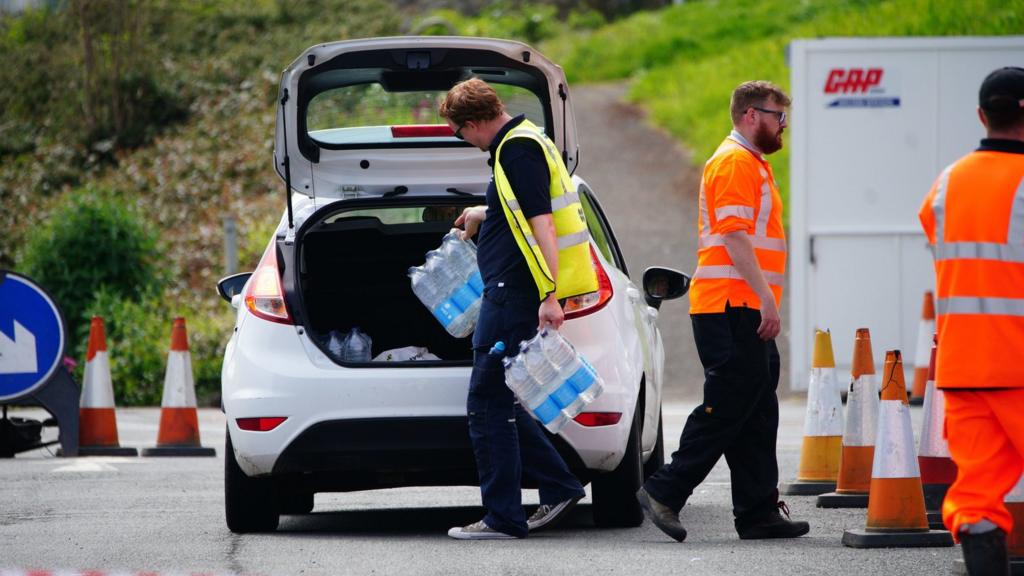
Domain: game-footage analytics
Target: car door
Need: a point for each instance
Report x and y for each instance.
(644, 317)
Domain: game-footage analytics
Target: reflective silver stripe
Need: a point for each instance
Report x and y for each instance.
(761, 229)
(979, 251)
(1015, 235)
(939, 205)
(775, 244)
(530, 239)
(737, 210)
(570, 240)
(705, 226)
(973, 305)
(731, 273)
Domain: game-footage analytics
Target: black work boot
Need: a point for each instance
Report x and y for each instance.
(771, 525)
(665, 518)
(985, 553)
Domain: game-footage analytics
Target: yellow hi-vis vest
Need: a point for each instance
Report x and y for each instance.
(576, 274)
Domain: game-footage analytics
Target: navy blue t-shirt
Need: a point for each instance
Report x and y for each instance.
(498, 255)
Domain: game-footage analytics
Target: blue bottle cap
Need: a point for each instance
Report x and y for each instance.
(499, 347)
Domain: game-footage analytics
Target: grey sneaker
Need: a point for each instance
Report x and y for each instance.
(478, 531)
(547, 515)
(665, 518)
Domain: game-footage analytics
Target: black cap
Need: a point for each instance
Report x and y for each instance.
(1002, 90)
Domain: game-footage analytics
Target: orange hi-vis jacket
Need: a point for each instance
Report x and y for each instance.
(737, 192)
(974, 219)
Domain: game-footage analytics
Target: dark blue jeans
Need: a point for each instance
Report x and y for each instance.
(508, 443)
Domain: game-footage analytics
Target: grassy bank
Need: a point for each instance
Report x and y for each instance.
(686, 60)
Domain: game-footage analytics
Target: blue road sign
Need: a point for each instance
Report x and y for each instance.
(31, 336)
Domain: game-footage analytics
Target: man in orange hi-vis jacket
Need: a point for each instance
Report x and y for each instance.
(734, 307)
(974, 219)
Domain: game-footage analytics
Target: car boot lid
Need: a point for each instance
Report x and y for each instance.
(407, 159)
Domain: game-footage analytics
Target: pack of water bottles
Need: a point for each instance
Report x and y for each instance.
(449, 285)
(551, 379)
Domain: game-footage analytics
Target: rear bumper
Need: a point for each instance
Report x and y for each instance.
(362, 421)
(345, 455)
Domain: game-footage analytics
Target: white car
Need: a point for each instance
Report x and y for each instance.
(374, 179)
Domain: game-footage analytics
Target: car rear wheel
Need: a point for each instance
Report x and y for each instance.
(614, 492)
(249, 503)
(657, 459)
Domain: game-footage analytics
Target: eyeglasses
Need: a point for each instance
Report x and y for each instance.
(458, 133)
(781, 114)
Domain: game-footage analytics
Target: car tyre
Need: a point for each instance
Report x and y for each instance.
(249, 503)
(614, 493)
(657, 459)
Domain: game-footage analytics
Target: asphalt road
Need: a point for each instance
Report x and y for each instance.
(166, 515)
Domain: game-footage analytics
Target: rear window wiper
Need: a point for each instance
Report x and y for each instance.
(456, 191)
(398, 191)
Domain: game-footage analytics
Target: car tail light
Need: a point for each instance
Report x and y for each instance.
(422, 131)
(260, 424)
(592, 419)
(591, 302)
(264, 297)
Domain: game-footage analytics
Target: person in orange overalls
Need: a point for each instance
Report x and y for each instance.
(974, 219)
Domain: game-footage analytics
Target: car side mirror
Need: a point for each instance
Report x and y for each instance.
(662, 284)
(231, 286)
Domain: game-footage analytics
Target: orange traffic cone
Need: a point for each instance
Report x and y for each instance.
(97, 422)
(179, 421)
(938, 470)
(925, 331)
(859, 435)
(823, 426)
(896, 514)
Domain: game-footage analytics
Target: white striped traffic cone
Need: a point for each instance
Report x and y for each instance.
(859, 435)
(896, 514)
(925, 331)
(97, 421)
(938, 470)
(179, 420)
(823, 426)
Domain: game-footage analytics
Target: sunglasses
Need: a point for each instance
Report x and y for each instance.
(780, 113)
(458, 133)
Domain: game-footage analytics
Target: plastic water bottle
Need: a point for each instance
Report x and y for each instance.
(454, 278)
(573, 368)
(426, 288)
(548, 375)
(335, 343)
(463, 254)
(356, 347)
(531, 395)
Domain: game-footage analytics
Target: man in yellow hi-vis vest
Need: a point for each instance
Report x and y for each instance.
(532, 249)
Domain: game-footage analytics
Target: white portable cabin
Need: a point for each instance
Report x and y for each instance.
(874, 122)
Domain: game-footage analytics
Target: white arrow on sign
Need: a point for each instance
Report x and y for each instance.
(18, 356)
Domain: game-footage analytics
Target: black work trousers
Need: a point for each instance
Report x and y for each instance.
(739, 417)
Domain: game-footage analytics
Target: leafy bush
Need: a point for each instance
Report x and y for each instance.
(91, 242)
(138, 338)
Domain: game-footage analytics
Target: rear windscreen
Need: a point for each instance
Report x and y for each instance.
(370, 114)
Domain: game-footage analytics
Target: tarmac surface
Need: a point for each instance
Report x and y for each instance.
(167, 515)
